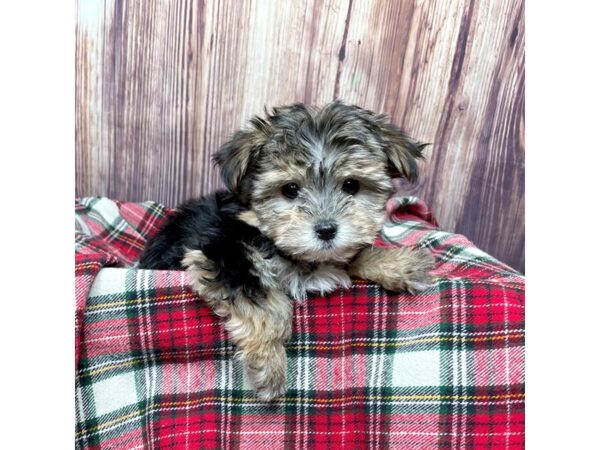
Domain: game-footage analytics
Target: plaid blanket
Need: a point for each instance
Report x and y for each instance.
(367, 368)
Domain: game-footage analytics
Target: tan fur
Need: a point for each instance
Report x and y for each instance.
(199, 270)
(259, 331)
(249, 217)
(396, 269)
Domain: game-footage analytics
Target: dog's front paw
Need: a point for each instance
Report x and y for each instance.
(274, 388)
(268, 376)
(327, 279)
(396, 269)
(411, 271)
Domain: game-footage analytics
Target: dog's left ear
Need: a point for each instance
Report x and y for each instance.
(402, 151)
(236, 156)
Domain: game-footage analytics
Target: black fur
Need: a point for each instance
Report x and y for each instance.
(210, 224)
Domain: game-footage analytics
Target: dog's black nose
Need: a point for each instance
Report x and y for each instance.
(326, 230)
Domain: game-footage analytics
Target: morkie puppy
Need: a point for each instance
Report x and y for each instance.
(306, 198)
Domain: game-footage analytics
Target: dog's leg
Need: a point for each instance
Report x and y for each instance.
(258, 329)
(260, 332)
(396, 269)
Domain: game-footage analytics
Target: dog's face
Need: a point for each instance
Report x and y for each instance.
(316, 181)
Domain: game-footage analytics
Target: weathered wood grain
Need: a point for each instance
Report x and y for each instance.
(161, 84)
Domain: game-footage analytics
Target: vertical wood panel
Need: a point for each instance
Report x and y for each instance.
(161, 84)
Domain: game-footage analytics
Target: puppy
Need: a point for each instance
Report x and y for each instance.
(306, 198)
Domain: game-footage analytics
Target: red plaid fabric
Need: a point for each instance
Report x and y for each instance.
(367, 368)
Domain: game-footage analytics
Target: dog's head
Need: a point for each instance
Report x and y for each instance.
(316, 181)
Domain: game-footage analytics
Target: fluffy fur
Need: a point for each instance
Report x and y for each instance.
(306, 195)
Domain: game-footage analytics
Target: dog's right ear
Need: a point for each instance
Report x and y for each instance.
(236, 156)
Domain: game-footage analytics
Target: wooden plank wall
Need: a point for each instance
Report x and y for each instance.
(161, 84)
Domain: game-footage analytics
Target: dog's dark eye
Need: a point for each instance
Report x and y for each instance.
(290, 190)
(350, 186)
